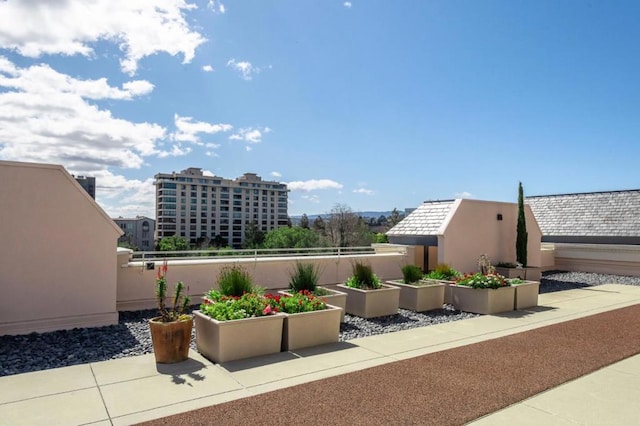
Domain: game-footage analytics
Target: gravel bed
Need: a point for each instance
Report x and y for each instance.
(131, 336)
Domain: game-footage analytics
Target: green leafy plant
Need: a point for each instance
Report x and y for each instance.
(521, 230)
(516, 281)
(225, 308)
(506, 265)
(480, 280)
(180, 300)
(303, 277)
(411, 274)
(304, 301)
(235, 281)
(442, 271)
(363, 277)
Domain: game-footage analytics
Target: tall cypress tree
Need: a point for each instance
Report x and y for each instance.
(521, 230)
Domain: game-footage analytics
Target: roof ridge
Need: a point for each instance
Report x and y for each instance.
(583, 193)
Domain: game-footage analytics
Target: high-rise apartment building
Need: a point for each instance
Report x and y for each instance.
(205, 209)
(88, 183)
(138, 232)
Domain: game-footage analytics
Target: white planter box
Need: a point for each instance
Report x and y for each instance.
(222, 341)
(526, 294)
(306, 329)
(335, 298)
(421, 296)
(483, 300)
(372, 303)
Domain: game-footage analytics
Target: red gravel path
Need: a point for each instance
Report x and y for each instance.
(451, 387)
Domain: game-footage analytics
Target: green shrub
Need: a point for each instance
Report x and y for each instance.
(303, 277)
(411, 274)
(234, 281)
(363, 277)
(442, 272)
(226, 308)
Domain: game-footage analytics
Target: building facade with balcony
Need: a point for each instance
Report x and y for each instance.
(138, 232)
(210, 210)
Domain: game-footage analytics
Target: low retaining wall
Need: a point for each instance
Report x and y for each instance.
(136, 283)
(598, 258)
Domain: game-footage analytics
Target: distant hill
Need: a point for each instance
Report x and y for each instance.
(296, 219)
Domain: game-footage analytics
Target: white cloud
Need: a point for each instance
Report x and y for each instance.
(463, 194)
(188, 129)
(245, 68)
(347, 4)
(216, 6)
(314, 184)
(208, 173)
(45, 117)
(311, 198)
(207, 68)
(363, 191)
(249, 134)
(138, 28)
(276, 174)
(248, 148)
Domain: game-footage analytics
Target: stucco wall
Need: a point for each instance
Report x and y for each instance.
(600, 258)
(136, 283)
(472, 228)
(59, 256)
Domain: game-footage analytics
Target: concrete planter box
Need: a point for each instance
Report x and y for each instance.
(372, 303)
(526, 294)
(448, 299)
(424, 295)
(529, 273)
(335, 298)
(222, 341)
(306, 329)
(483, 300)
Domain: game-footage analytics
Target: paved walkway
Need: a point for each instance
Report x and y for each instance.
(135, 389)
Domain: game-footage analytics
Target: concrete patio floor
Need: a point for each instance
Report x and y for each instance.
(130, 390)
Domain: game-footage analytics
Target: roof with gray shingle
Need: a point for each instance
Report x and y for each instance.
(596, 214)
(425, 220)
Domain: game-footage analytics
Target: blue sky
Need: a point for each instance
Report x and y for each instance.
(372, 104)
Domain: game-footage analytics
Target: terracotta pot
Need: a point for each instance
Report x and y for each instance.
(170, 340)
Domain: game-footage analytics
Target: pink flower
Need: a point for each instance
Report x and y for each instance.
(267, 310)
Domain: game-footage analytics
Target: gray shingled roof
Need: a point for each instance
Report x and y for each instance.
(596, 214)
(425, 220)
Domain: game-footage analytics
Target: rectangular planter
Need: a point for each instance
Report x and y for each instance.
(313, 328)
(447, 291)
(483, 300)
(222, 341)
(526, 294)
(372, 303)
(422, 296)
(530, 273)
(335, 298)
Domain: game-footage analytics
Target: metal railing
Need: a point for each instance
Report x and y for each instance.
(253, 253)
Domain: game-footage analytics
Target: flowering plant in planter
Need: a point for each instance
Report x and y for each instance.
(225, 308)
(180, 300)
(303, 301)
(480, 280)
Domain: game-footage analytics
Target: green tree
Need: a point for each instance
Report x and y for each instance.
(253, 236)
(521, 230)
(218, 241)
(173, 243)
(294, 237)
(394, 218)
(319, 225)
(380, 238)
(304, 221)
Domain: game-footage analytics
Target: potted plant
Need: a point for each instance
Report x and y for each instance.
(304, 277)
(309, 320)
(445, 274)
(171, 330)
(236, 326)
(367, 297)
(416, 293)
(483, 292)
